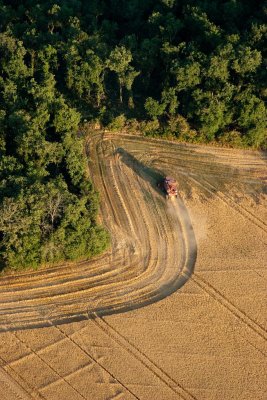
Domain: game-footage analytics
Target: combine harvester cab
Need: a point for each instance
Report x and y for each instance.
(169, 186)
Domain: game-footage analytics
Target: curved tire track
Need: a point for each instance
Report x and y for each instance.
(138, 270)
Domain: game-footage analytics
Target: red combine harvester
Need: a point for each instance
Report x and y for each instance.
(169, 185)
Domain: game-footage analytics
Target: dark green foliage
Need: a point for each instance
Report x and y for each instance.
(193, 70)
(148, 60)
(48, 207)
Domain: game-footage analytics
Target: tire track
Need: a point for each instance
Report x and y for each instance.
(32, 351)
(136, 271)
(13, 387)
(230, 202)
(220, 298)
(116, 278)
(214, 192)
(155, 369)
(132, 288)
(106, 191)
(93, 359)
(18, 378)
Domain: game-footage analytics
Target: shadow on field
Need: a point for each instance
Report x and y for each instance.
(219, 177)
(153, 176)
(47, 314)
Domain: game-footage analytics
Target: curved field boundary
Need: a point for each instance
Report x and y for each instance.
(153, 244)
(153, 250)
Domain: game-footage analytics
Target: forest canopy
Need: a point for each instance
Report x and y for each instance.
(192, 70)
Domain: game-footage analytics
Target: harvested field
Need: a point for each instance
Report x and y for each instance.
(97, 330)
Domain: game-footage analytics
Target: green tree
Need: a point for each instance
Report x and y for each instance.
(252, 119)
(210, 113)
(247, 60)
(153, 108)
(119, 62)
(187, 74)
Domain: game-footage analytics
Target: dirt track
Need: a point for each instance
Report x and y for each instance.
(154, 252)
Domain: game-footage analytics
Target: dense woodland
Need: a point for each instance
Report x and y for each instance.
(194, 70)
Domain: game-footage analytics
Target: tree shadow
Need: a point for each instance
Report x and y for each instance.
(210, 179)
(153, 176)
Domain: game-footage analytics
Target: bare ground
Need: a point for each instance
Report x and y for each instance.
(98, 330)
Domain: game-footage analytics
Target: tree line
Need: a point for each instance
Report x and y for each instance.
(194, 70)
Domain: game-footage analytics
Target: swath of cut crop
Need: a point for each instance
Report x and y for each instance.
(152, 255)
